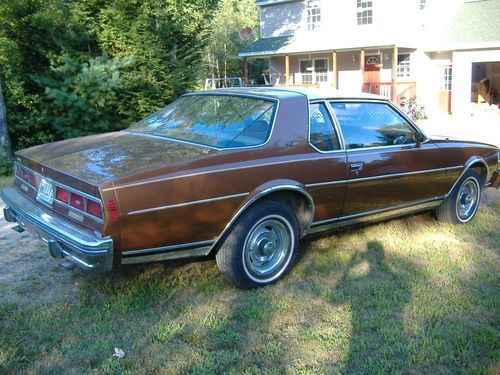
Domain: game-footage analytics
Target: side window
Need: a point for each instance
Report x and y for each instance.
(321, 131)
(372, 125)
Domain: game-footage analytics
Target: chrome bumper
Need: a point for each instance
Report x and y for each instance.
(63, 238)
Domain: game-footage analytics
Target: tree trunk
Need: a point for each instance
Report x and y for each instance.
(5, 149)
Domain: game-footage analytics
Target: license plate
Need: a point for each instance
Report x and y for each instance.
(45, 192)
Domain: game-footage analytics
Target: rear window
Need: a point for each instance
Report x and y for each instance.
(220, 121)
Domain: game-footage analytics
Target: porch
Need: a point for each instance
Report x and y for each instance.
(383, 71)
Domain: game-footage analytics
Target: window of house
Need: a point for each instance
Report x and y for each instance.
(446, 77)
(322, 133)
(314, 70)
(422, 4)
(403, 69)
(372, 125)
(313, 15)
(365, 12)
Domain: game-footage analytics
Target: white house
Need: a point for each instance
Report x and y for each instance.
(437, 50)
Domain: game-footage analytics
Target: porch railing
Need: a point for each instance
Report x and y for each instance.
(403, 89)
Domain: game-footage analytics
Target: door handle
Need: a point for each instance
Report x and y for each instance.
(356, 167)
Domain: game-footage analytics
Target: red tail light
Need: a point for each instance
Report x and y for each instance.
(76, 201)
(113, 210)
(62, 195)
(94, 209)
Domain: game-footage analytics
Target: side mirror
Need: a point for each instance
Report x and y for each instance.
(419, 138)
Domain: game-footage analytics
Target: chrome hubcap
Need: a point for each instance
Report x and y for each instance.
(267, 247)
(467, 200)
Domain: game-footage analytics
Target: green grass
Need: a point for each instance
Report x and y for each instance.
(405, 296)
(5, 180)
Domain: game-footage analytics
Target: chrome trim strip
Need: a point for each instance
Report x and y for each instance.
(471, 161)
(260, 195)
(338, 182)
(389, 148)
(187, 203)
(181, 247)
(212, 171)
(374, 215)
(456, 167)
(181, 254)
(402, 174)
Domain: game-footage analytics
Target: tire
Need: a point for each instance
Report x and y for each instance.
(460, 206)
(261, 247)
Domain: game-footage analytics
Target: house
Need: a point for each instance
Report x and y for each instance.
(437, 50)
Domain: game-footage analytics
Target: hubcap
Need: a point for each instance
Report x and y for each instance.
(267, 247)
(467, 200)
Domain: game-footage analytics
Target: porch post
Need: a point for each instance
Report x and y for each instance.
(362, 67)
(245, 66)
(334, 70)
(394, 85)
(287, 69)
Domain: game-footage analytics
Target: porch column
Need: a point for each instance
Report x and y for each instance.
(334, 71)
(394, 83)
(245, 66)
(362, 67)
(287, 70)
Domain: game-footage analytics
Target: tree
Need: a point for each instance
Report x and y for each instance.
(224, 42)
(5, 151)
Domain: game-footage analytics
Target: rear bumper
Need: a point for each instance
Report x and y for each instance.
(63, 238)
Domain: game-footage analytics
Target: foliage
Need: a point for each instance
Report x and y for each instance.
(224, 41)
(79, 67)
(412, 108)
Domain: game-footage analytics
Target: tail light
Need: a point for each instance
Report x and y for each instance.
(94, 209)
(76, 200)
(26, 176)
(113, 210)
(62, 195)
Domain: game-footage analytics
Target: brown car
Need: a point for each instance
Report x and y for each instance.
(243, 173)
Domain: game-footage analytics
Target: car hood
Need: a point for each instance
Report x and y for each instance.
(99, 158)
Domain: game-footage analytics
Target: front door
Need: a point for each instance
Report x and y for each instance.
(387, 168)
(372, 74)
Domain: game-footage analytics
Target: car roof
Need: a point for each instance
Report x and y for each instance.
(283, 92)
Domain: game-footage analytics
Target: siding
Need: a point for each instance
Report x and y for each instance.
(281, 19)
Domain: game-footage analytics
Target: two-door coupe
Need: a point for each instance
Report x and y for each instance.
(242, 173)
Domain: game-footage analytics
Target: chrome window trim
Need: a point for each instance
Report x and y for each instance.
(334, 124)
(211, 93)
(189, 203)
(70, 191)
(379, 101)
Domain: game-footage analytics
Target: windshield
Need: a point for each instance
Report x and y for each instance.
(220, 121)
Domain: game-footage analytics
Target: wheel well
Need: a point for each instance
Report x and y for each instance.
(300, 204)
(481, 170)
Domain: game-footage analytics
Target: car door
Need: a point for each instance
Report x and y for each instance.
(328, 185)
(387, 165)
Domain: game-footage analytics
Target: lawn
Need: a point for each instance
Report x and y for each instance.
(405, 296)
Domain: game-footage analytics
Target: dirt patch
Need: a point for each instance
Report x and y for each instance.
(28, 273)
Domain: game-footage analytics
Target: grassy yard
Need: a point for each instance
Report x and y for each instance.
(405, 296)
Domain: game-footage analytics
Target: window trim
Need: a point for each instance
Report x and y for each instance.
(211, 93)
(446, 78)
(314, 72)
(339, 136)
(410, 72)
(360, 12)
(380, 101)
(310, 5)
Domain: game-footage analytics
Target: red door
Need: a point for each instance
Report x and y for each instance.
(372, 74)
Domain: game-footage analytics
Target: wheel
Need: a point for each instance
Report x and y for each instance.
(261, 247)
(460, 206)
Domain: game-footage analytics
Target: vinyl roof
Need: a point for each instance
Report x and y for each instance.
(284, 92)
